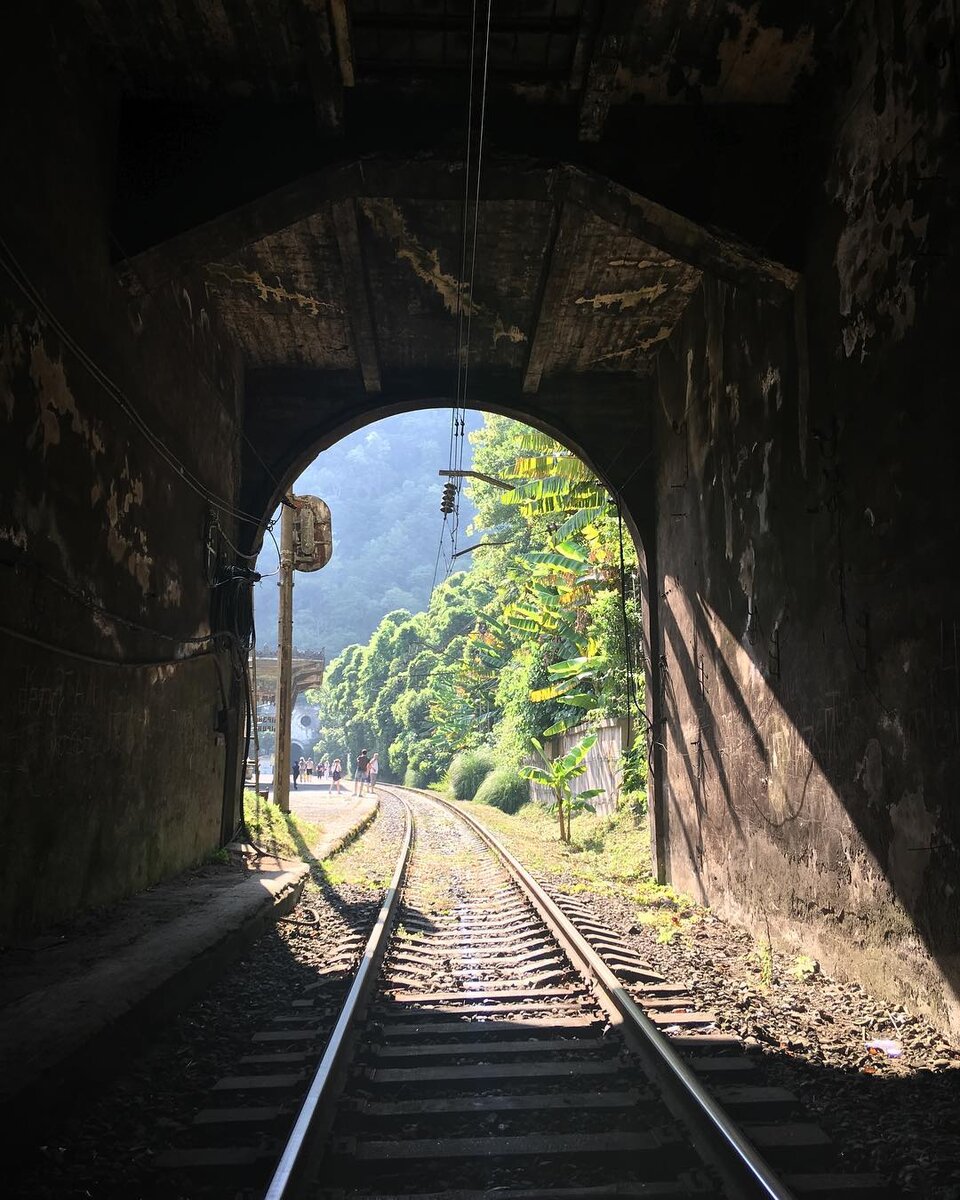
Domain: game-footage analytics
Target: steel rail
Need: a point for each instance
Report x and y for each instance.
(316, 1111)
(717, 1137)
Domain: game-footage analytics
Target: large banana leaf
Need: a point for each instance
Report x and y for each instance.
(536, 491)
(574, 757)
(552, 691)
(571, 667)
(563, 465)
(537, 775)
(579, 520)
(564, 556)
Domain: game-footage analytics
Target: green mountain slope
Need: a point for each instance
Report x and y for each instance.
(384, 494)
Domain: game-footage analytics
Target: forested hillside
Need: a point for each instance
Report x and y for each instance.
(384, 494)
(540, 633)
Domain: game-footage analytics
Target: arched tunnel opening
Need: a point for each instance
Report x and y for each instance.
(547, 577)
(710, 248)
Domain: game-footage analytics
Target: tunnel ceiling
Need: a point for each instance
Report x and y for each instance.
(304, 160)
(600, 54)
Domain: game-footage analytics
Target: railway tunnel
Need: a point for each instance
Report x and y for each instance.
(715, 248)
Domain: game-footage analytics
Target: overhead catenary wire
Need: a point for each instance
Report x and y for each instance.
(478, 176)
(465, 289)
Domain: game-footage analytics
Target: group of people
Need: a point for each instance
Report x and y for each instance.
(367, 770)
(364, 777)
(305, 768)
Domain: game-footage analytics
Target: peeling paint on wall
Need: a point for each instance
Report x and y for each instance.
(770, 386)
(16, 537)
(623, 301)
(55, 400)
(644, 264)
(277, 292)
(890, 142)
(640, 347)
(761, 55)
(753, 62)
(513, 334)
(389, 222)
(126, 540)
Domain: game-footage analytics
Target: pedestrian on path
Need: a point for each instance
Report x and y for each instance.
(360, 774)
(336, 772)
(296, 772)
(373, 770)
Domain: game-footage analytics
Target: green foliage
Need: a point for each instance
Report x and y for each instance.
(539, 635)
(504, 788)
(558, 774)
(804, 968)
(763, 956)
(468, 770)
(414, 777)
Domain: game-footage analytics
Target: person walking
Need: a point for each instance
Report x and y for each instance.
(373, 770)
(310, 767)
(360, 774)
(336, 772)
(296, 772)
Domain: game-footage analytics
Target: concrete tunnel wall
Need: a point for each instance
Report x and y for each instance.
(796, 513)
(111, 777)
(806, 570)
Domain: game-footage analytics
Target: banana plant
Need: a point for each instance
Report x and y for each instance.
(557, 775)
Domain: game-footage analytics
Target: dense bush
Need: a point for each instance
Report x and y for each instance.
(415, 777)
(468, 770)
(504, 789)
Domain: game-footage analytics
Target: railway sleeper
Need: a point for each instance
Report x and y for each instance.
(545, 1041)
(528, 1027)
(501, 1102)
(829, 1186)
(647, 1142)
(694, 1185)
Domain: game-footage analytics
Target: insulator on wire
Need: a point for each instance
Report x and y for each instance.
(448, 499)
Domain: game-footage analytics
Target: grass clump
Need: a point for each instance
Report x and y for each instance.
(468, 770)
(804, 968)
(284, 834)
(504, 789)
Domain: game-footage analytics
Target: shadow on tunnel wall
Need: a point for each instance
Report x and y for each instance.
(807, 596)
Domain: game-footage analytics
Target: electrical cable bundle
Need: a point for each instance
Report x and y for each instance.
(473, 165)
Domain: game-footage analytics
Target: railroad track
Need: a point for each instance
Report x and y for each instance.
(493, 1044)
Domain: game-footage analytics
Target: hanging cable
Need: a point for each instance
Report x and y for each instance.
(476, 202)
(454, 453)
(465, 290)
(627, 640)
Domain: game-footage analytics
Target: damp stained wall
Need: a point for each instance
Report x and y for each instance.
(806, 496)
(111, 776)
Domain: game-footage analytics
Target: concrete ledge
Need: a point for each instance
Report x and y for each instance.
(80, 1023)
(81, 1026)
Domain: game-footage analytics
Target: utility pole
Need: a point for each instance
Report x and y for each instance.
(281, 761)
